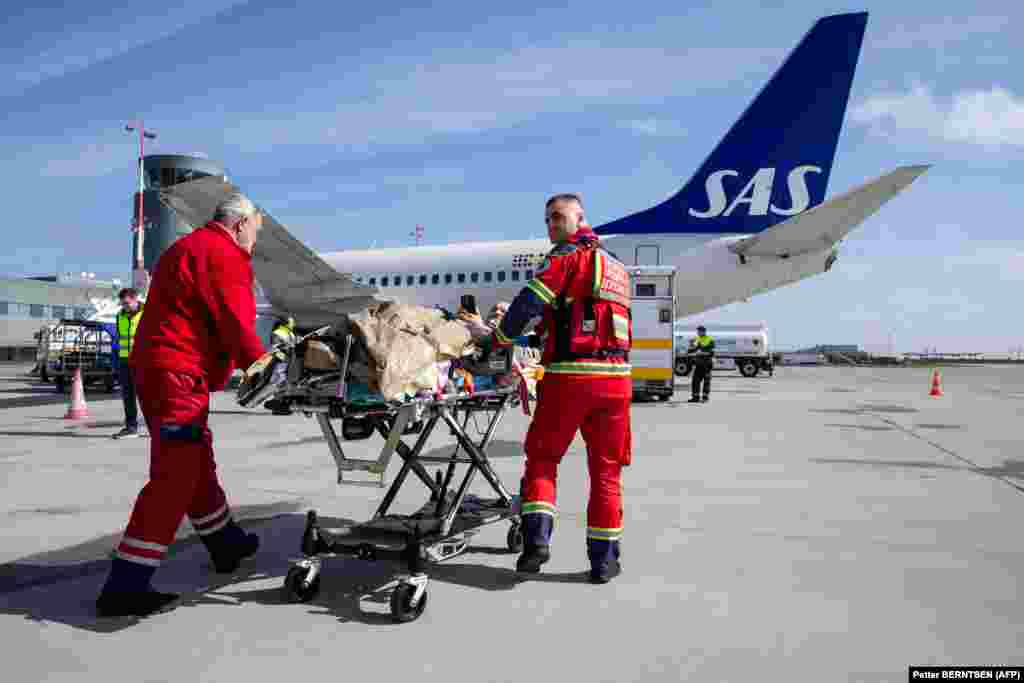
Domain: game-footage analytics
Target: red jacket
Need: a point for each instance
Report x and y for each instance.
(568, 267)
(200, 312)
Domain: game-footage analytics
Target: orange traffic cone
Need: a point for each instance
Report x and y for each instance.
(936, 384)
(77, 410)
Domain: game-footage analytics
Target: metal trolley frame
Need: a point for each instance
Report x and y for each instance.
(442, 527)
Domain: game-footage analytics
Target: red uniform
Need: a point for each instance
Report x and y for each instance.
(199, 324)
(582, 293)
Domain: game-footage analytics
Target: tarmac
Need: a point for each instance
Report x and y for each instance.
(824, 524)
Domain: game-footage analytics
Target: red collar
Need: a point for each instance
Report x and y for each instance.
(219, 229)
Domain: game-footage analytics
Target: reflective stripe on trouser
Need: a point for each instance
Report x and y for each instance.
(600, 409)
(182, 472)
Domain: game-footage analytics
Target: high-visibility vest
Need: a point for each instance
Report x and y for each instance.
(127, 326)
(284, 333)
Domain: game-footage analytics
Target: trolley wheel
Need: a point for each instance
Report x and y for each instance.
(515, 538)
(401, 598)
(295, 588)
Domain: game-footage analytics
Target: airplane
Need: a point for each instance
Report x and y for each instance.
(751, 219)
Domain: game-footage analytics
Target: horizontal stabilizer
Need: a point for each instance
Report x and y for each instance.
(824, 225)
(291, 275)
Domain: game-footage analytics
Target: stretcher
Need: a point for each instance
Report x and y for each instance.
(441, 528)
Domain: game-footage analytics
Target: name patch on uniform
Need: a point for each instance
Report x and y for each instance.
(611, 281)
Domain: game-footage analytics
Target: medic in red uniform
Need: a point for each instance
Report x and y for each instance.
(582, 293)
(199, 324)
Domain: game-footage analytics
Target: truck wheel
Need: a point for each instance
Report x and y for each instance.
(748, 368)
(683, 367)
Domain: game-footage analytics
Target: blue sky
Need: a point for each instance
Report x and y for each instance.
(353, 124)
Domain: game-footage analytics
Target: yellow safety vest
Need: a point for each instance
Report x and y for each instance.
(703, 342)
(127, 326)
(284, 333)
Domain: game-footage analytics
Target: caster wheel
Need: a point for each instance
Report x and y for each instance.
(515, 538)
(401, 609)
(295, 588)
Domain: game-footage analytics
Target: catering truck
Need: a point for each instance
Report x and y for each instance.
(740, 347)
(653, 310)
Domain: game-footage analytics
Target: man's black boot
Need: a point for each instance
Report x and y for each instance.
(537, 527)
(127, 592)
(229, 546)
(532, 558)
(604, 560)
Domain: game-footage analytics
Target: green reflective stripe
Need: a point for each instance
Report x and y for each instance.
(604, 534)
(621, 327)
(589, 368)
(538, 507)
(541, 290)
(598, 272)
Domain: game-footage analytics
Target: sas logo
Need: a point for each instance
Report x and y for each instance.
(757, 193)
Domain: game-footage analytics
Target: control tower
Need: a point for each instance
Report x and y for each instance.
(163, 225)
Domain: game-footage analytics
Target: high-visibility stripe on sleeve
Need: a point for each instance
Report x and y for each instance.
(541, 290)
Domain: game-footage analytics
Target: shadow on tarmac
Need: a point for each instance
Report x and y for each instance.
(61, 586)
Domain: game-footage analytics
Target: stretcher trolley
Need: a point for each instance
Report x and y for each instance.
(441, 528)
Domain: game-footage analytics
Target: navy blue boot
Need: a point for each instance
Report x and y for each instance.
(604, 560)
(537, 527)
(127, 592)
(230, 545)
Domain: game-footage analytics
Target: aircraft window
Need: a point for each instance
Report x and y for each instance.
(409, 280)
(35, 310)
(473, 277)
(487, 276)
(435, 279)
(423, 279)
(398, 281)
(515, 276)
(447, 278)
(384, 281)
(529, 275)
(462, 278)
(373, 280)
(645, 289)
(501, 276)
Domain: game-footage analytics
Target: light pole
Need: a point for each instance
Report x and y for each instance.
(140, 277)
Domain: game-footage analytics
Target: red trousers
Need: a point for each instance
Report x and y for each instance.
(182, 471)
(599, 408)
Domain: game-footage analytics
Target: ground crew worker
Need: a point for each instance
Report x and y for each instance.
(200, 323)
(127, 326)
(702, 350)
(583, 294)
(284, 331)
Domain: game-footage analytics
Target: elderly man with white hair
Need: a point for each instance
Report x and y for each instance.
(199, 325)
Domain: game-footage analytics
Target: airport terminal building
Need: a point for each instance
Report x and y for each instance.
(29, 304)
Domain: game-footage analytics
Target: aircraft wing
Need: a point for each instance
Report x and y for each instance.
(824, 225)
(294, 279)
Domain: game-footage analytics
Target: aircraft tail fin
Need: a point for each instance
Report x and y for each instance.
(776, 159)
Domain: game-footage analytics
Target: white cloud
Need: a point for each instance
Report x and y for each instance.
(74, 48)
(992, 118)
(78, 159)
(660, 128)
(1006, 263)
(445, 94)
(943, 33)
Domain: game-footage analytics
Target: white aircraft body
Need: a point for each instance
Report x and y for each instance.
(752, 218)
